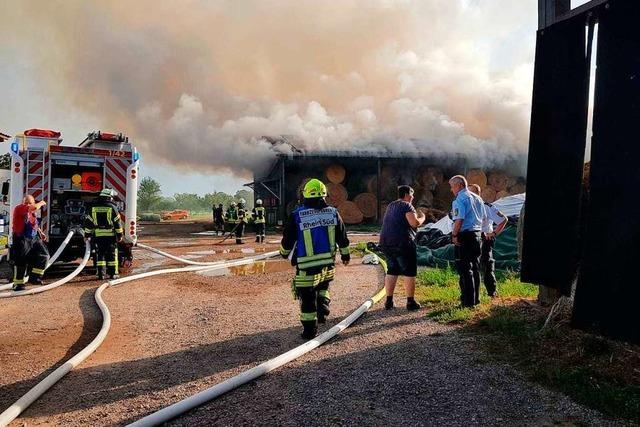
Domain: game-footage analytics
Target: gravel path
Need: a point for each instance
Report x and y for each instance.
(175, 335)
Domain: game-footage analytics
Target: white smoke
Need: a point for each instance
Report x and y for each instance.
(197, 84)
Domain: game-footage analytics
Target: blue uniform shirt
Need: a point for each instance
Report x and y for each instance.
(470, 209)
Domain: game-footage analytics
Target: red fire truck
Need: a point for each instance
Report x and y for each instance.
(69, 179)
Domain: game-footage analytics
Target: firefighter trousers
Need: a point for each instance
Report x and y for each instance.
(240, 233)
(106, 254)
(312, 288)
(28, 252)
(260, 227)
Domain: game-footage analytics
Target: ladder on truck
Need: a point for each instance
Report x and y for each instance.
(37, 184)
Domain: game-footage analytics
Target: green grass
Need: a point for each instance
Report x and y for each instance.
(439, 290)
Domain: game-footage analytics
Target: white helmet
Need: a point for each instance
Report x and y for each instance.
(242, 201)
(259, 202)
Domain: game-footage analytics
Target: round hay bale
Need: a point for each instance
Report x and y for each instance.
(443, 197)
(489, 194)
(335, 173)
(431, 215)
(477, 176)
(498, 180)
(518, 188)
(367, 203)
(501, 194)
(350, 213)
(511, 181)
(430, 177)
(336, 194)
(424, 199)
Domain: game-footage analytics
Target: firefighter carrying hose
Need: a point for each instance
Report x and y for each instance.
(242, 221)
(102, 224)
(27, 249)
(314, 229)
(259, 220)
(231, 217)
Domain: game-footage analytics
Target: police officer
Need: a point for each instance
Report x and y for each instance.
(231, 217)
(27, 248)
(218, 219)
(468, 212)
(259, 220)
(487, 263)
(243, 217)
(314, 229)
(102, 224)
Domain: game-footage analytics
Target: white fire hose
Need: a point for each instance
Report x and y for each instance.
(175, 258)
(53, 258)
(39, 389)
(55, 284)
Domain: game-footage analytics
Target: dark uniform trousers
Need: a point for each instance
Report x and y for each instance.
(488, 265)
(260, 228)
(28, 252)
(314, 300)
(468, 265)
(106, 254)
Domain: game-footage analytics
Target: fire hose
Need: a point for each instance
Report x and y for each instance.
(55, 284)
(53, 258)
(39, 389)
(218, 390)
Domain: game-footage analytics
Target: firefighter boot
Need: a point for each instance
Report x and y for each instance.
(101, 273)
(262, 239)
(310, 330)
(35, 279)
(114, 276)
(257, 239)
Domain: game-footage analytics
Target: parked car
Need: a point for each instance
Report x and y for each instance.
(175, 214)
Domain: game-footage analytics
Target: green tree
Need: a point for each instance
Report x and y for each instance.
(148, 194)
(190, 201)
(247, 195)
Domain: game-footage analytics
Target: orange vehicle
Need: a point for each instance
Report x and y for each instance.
(175, 214)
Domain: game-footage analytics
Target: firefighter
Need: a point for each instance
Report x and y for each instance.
(103, 226)
(231, 217)
(243, 218)
(218, 219)
(314, 229)
(27, 249)
(259, 220)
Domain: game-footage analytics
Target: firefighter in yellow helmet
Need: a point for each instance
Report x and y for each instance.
(103, 226)
(259, 219)
(315, 230)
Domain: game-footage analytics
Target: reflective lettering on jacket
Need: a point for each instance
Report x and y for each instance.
(316, 236)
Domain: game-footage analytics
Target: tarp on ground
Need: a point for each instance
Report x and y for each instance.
(505, 252)
(510, 206)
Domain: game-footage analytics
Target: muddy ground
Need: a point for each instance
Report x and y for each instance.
(175, 335)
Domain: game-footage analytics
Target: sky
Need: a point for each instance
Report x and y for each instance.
(196, 85)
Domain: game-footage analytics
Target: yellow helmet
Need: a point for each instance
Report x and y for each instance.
(314, 189)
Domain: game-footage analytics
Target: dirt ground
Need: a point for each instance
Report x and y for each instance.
(174, 335)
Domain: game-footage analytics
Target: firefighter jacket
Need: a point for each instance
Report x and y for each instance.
(103, 220)
(314, 233)
(231, 216)
(258, 215)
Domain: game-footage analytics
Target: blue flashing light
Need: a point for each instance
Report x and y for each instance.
(136, 156)
(14, 147)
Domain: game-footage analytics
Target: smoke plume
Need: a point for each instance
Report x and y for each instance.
(197, 83)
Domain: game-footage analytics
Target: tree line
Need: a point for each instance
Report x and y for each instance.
(150, 199)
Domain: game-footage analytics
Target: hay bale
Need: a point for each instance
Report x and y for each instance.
(501, 194)
(443, 197)
(518, 188)
(430, 177)
(498, 180)
(432, 215)
(335, 173)
(424, 199)
(489, 194)
(372, 184)
(367, 203)
(477, 176)
(336, 194)
(350, 212)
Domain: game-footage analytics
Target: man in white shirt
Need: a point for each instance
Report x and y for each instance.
(491, 216)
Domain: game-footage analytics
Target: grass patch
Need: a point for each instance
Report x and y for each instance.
(596, 372)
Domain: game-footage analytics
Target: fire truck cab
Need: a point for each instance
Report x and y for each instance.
(69, 179)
